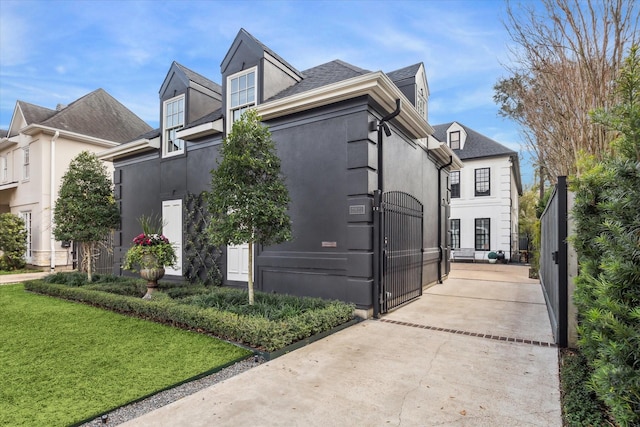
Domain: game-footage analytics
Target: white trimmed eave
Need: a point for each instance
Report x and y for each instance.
(443, 153)
(34, 129)
(129, 148)
(8, 142)
(377, 85)
(199, 131)
(8, 186)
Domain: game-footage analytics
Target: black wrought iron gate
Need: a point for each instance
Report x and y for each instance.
(401, 228)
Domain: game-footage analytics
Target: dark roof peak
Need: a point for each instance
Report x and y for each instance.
(476, 144)
(322, 75)
(198, 78)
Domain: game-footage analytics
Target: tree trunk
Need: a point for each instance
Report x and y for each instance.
(250, 281)
(88, 256)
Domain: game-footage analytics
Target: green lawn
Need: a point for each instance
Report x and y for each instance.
(63, 362)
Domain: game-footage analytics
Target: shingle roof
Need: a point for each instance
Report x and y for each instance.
(476, 144)
(211, 117)
(322, 75)
(200, 79)
(153, 133)
(99, 115)
(404, 73)
(34, 113)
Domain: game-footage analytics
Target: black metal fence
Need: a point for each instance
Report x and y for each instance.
(557, 264)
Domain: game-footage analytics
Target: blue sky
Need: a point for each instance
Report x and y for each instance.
(53, 52)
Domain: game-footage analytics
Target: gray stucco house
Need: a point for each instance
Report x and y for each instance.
(369, 191)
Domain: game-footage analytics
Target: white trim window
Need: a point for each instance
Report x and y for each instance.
(455, 184)
(241, 95)
(454, 140)
(4, 169)
(25, 163)
(172, 121)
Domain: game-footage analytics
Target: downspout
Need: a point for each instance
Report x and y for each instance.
(378, 253)
(52, 255)
(440, 250)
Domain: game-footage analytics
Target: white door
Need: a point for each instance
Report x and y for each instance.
(172, 229)
(238, 263)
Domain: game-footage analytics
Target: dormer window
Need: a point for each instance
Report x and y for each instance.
(173, 121)
(454, 140)
(241, 93)
(4, 172)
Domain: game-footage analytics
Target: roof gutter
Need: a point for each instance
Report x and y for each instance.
(32, 129)
(52, 238)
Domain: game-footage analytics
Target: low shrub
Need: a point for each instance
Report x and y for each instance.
(580, 405)
(257, 332)
(270, 306)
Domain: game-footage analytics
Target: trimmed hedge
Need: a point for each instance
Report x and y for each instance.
(256, 332)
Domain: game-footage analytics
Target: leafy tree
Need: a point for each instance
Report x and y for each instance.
(567, 54)
(13, 242)
(85, 210)
(248, 198)
(528, 223)
(607, 239)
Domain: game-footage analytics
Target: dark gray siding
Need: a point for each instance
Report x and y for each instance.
(329, 160)
(316, 154)
(144, 182)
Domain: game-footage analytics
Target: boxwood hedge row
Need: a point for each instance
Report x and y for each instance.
(257, 332)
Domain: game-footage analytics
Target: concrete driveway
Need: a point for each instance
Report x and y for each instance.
(473, 351)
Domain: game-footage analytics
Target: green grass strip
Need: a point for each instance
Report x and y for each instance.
(63, 362)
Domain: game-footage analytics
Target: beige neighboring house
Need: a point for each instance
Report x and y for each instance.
(36, 151)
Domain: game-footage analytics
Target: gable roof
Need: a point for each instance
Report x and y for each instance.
(245, 35)
(34, 113)
(476, 144)
(98, 115)
(404, 73)
(199, 78)
(321, 75)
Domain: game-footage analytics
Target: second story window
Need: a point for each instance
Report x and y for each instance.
(4, 171)
(242, 93)
(25, 163)
(173, 121)
(455, 184)
(483, 182)
(454, 140)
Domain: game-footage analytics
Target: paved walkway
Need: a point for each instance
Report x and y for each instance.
(7, 279)
(473, 351)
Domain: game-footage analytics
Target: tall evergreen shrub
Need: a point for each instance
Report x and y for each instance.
(607, 213)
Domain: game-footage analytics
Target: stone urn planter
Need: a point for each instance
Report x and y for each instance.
(151, 275)
(150, 252)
